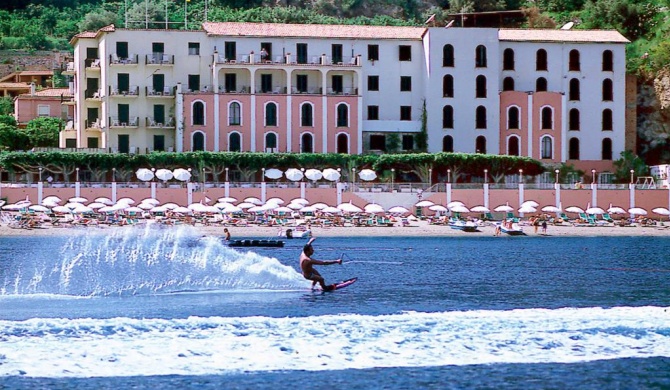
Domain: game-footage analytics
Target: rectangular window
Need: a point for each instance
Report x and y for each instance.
(193, 48)
(407, 142)
(378, 142)
(338, 84)
(124, 143)
(124, 114)
(373, 113)
(43, 110)
(266, 51)
(231, 82)
(373, 83)
(91, 116)
(373, 52)
(301, 51)
(123, 82)
(158, 81)
(405, 53)
(266, 83)
(92, 142)
(158, 47)
(193, 82)
(159, 143)
(159, 113)
(122, 49)
(405, 113)
(230, 51)
(405, 83)
(301, 83)
(71, 143)
(337, 53)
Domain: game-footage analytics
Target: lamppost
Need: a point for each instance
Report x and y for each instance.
(262, 174)
(520, 176)
(40, 174)
(632, 172)
(557, 172)
(430, 177)
(486, 176)
(353, 178)
(448, 175)
(392, 177)
(113, 175)
(77, 169)
(226, 174)
(593, 176)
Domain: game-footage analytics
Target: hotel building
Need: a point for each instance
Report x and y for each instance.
(553, 95)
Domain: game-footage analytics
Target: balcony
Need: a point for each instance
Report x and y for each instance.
(239, 89)
(161, 123)
(203, 89)
(132, 92)
(92, 64)
(115, 59)
(159, 59)
(274, 90)
(167, 92)
(342, 91)
(93, 125)
(117, 122)
(93, 95)
(69, 69)
(288, 59)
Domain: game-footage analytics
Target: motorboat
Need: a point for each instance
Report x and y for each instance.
(256, 243)
(466, 226)
(512, 228)
(291, 233)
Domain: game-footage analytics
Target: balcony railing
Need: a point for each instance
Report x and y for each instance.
(254, 58)
(93, 124)
(240, 89)
(160, 122)
(274, 89)
(115, 59)
(159, 59)
(132, 91)
(342, 91)
(116, 121)
(92, 63)
(94, 94)
(70, 68)
(166, 92)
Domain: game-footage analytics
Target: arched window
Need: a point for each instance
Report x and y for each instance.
(607, 120)
(513, 146)
(608, 61)
(198, 114)
(306, 143)
(447, 117)
(541, 84)
(342, 115)
(234, 142)
(306, 115)
(608, 93)
(513, 118)
(480, 56)
(480, 144)
(480, 117)
(508, 59)
(574, 64)
(234, 116)
(547, 149)
(448, 144)
(573, 119)
(448, 86)
(342, 143)
(480, 86)
(541, 60)
(271, 114)
(448, 56)
(574, 89)
(573, 149)
(508, 84)
(198, 142)
(270, 142)
(607, 149)
(547, 118)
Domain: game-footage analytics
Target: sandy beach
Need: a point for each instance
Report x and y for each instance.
(416, 229)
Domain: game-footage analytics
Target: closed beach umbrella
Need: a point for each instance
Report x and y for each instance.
(574, 209)
(551, 209)
(144, 174)
(480, 209)
(504, 208)
(440, 208)
(331, 174)
(398, 210)
(459, 209)
(273, 173)
(164, 174)
(424, 203)
(181, 174)
(313, 174)
(637, 211)
(293, 174)
(367, 174)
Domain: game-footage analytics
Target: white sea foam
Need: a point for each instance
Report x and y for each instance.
(216, 345)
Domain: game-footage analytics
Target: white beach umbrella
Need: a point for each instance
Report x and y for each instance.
(308, 209)
(661, 211)
(273, 173)
(222, 205)
(424, 203)
(38, 208)
(245, 205)
(574, 209)
(331, 174)
(52, 199)
(158, 209)
(275, 201)
(96, 205)
(299, 200)
(133, 210)
(182, 210)
(227, 199)
(81, 209)
(61, 210)
(349, 208)
(105, 201)
(144, 174)
(530, 203)
(170, 206)
(616, 210)
(459, 209)
(319, 206)
(150, 201)
(595, 211)
(637, 211)
(480, 209)
(332, 210)
(125, 201)
(146, 206)
(313, 174)
(120, 206)
(73, 205)
(367, 174)
(398, 210)
(253, 200)
(198, 207)
(78, 199)
(373, 208)
(293, 174)
(256, 209)
(269, 206)
(48, 203)
(164, 174)
(551, 209)
(181, 174)
(295, 206)
(14, 207)
(106, 209)
(526, 209)
(504, 208)
(439, 207)
(283, 209)
(231, 209)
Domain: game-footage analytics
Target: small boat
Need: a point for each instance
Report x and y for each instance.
(290, 233)
(512, 229)
(466, 226)
(256, 243)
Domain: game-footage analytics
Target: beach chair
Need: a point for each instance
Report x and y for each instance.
(563, 217)
(488, 217)
(606, 217)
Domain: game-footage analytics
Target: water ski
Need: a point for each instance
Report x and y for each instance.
(343, 284)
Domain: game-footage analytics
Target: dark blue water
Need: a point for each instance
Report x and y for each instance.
(396, 275)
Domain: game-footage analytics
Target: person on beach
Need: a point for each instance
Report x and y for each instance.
(307, 266)
(227, 233)
(544, 226)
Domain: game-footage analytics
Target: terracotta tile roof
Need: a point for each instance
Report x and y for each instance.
(313, 31)
(50, 92)
(14, 85)
(36, 73)
(86, 34)
(578, 36)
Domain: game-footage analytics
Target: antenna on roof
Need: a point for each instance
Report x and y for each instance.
(567, 26)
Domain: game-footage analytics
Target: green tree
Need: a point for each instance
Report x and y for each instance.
(12, 138)
(6, 106)
(43, 132)
(629, 161)
(95, 20)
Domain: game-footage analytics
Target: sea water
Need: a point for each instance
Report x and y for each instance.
(150, 308)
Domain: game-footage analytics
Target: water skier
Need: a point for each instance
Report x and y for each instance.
(307, 266)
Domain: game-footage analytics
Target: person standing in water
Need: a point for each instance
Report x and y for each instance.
(307, 266)
(227, 234)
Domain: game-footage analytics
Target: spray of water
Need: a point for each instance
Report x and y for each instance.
(146, 260)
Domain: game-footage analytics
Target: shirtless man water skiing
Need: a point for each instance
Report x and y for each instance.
(307, 266)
